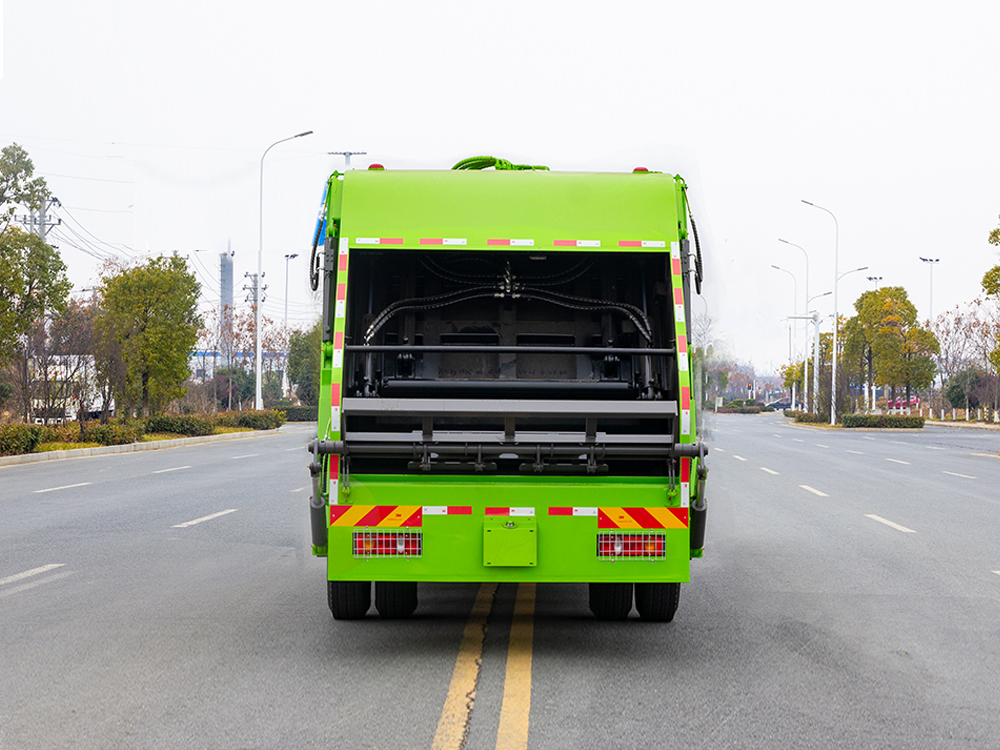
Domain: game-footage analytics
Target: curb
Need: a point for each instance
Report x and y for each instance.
(31, 458)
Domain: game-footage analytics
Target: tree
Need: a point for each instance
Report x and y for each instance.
(149, 312)
(16, 186)
(304, 362)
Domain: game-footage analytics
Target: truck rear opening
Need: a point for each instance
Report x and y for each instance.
(506, 387)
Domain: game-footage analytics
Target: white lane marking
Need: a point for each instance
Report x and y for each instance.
(822, 446)
(899, 442)
(934, 448)
(865, 437)
(29, 573)
(956, 474)
(777, 436)
(721, 450)
(889, 523)
(856, 453)
(769, 471)
(33, 584)
(303, 448)
(176, 468)
(203, 518)
(813, 490)
(997, 572)
(248, 455)
(897, 461)
(64, 487)
(300, 489)
(987, 455)
(738, 458)
(798, 441)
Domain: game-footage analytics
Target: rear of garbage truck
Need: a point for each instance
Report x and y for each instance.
(506, 386)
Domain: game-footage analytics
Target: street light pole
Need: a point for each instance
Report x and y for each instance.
(805, 366)
(258, 395)
(876, 280)
(284, 370)
(815, 319)
(931, 262)
(836, 253)
(795, 312)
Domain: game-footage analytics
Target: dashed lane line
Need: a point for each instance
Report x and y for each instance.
(29, 573)
(738, 458)
(897, 461)
(997, 572)
(956, 474)
(822, 446)
(248, 455)
(769, 471)
(934, 447)
(889, 523)
(987, 455)
(798, 441)
(203, 518)
(813, 490)
(35, 583)
(64, 487)
(856, 453)
(176, 468)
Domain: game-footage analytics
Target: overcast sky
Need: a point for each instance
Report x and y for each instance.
(149, 119)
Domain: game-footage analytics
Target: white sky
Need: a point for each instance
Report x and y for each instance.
(149, 119)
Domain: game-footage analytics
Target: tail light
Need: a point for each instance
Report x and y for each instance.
(642, 545)
(388, 544)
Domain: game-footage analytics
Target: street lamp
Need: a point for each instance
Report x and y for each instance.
(258, 397)
(876, 280)
(815, 320)
(836, 278)
(795, 312)
(931, 262)
(805, 373)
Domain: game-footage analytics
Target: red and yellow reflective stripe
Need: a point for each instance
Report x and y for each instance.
(377, 516)
(642, 518)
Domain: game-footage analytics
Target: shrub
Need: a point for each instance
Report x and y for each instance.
(883, 420)
(184, 425)
(227, 418)
(261, 420)
(793, 413)
(111, 434)
(62, 433)
(740, 410)
(301, 414)
(807, 418)
(16, 439)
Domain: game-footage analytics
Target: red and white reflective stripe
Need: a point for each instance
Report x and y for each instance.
(512, 243)
(675, 266)
(642, 243)
(679, 305)
(338, 349)
(341, 309)
(444, 241)
(334, 468)
(685, 410)
(378, 240)
(335, 406)
(682, 352)
(447, 510)
(573, 512)
(509, 511)
(685, 482)
(577, 243)
(342, 256)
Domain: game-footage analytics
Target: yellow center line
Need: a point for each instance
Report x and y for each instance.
(513, 732)
(453, 726)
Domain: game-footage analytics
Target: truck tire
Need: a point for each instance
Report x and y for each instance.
(349, 600)
(657, 602)
(611, 601)
(395, 600)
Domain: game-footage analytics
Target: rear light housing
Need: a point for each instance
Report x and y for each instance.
(643, 545)
(369, 544)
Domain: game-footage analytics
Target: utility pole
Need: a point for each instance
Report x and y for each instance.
(37, 222)
(347, 156)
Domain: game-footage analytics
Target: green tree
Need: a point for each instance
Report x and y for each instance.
(16, 186)
(149, 313)
(304, 363)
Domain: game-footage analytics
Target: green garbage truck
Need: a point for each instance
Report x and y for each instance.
(506, 385)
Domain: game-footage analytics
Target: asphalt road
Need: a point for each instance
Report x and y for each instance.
(848, 598)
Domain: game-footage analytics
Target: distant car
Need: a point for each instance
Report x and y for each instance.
(783, 404)
(900, 403)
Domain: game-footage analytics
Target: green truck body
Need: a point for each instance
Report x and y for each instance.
(506, 386)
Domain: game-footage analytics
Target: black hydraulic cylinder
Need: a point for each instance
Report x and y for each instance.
(317, 508)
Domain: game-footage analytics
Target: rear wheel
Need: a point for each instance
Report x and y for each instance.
(657, 602)
(349, 600)
(611, 601)
(395, 600)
